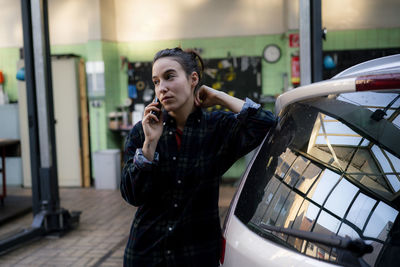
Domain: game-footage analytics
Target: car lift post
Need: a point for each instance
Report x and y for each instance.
(311, 35)
(49, 217)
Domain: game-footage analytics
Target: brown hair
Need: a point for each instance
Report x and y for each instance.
(189, 59)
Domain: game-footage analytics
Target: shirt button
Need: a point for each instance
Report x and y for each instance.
(179, 181)
(175, 205)
(173, 158)
(170, 133)
(198, 120)
(164, 123)
(170, 229)
(169, 252)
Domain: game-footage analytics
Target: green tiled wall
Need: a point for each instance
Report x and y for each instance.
(216, 48)
(8, 65)
(77, 49)
(112, 65)
(362, 39)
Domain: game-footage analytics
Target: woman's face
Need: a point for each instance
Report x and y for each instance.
(173, 86)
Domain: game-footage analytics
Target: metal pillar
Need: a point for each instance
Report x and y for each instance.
(305, 42)
(316, 40)
(49, 218)
(310, 41)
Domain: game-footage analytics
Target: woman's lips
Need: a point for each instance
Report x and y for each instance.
(166, 98)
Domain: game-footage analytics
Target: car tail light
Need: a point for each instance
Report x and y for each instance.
(223, 245)
(378, 82)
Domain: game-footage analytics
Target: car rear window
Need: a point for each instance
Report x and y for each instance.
(332, 167)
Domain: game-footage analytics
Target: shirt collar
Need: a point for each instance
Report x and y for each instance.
(196, 115)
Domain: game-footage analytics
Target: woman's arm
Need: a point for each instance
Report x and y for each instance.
(136, 182)
(243, 129)
(139, 172)
(208, 97)
(247, 126)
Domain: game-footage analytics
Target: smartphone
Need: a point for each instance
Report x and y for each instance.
(156, 100)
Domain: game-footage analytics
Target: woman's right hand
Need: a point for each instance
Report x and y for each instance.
(152, 128)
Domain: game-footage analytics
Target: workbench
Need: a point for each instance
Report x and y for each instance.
(4, 143)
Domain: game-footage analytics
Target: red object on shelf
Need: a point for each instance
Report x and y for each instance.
(1, 77)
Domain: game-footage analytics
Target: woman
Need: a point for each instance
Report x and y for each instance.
(175, 162)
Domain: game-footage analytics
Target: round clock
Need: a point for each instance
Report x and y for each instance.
(272, 53)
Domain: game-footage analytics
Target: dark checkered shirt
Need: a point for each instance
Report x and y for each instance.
(177, 221)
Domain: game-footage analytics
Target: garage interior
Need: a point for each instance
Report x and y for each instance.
(67, 71)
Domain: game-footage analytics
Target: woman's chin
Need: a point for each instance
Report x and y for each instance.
(167, 108)
(170, 107)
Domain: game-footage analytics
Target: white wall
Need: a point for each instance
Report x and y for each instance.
(175, 19)
(360, 14)
(108, 27)
(77, 21)
(292, 14)
(348, 15)
(10, 23)
(69, 21)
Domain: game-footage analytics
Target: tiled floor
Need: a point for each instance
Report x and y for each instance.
(99, 239)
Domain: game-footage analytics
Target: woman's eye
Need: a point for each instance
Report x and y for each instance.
(155, 82)
(169, 76)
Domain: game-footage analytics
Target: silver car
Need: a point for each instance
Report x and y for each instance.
(323, 188)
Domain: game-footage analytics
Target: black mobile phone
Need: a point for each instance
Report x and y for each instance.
(156, 100)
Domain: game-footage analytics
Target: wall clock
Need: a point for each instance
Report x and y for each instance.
(272, 53)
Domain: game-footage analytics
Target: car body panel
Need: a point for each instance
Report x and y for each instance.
(382, 65)
(313, 90)
(341, 83)
(241, 242)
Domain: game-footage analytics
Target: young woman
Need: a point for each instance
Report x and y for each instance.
(175, 162)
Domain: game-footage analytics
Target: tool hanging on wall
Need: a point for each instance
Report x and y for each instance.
(124, 61)
(3, 94)
(132, 89)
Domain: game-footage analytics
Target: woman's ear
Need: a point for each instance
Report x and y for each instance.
(194, 79)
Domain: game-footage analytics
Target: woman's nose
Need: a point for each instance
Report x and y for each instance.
(163, 88)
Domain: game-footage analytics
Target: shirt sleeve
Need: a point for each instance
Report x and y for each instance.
(247, 130)
(138, 173)
(142, 163)
(248, 104)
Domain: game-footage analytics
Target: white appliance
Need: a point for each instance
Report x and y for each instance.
(65, 76)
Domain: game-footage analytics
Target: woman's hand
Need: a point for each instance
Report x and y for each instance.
(152, 128)
(206, 97)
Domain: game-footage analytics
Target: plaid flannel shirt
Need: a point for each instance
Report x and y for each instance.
(177, 221)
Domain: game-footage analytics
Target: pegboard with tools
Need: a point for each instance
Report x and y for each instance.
(237, 76)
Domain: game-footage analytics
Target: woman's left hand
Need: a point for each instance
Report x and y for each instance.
(206, 97)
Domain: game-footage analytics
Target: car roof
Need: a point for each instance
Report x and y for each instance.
(344, 82)
(381, 65)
